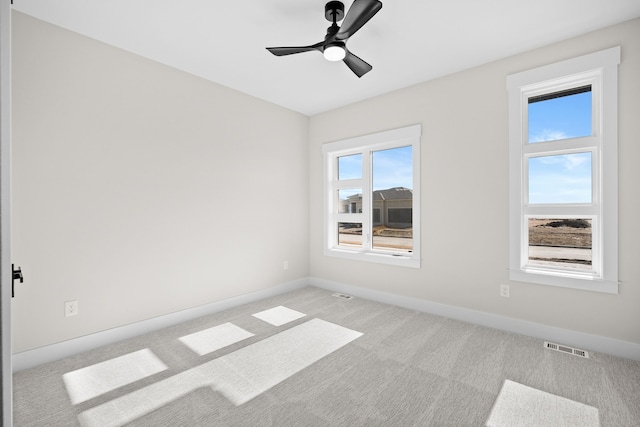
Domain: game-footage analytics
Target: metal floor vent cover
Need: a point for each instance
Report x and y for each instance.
(566, 349)
(343, 296)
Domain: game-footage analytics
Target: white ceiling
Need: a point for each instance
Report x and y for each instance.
(407, 42)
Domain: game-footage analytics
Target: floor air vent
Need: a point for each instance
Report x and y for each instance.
(343, 296)
(566, 349)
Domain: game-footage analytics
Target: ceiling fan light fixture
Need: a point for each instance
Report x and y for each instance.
(335, 51)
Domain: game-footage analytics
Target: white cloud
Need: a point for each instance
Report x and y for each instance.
(548, 135)
(567, 162)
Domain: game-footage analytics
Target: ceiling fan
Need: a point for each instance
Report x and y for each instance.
(334, 45)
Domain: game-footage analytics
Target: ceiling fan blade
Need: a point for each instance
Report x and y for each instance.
(360, 13)
(357, 65)
(281, 51)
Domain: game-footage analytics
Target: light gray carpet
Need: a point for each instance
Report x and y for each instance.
(406, 369)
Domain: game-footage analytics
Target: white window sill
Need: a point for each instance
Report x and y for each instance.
(380, 258)
(584, 283)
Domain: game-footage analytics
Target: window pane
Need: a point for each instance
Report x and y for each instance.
(565, 242)
(349, 234)
(560, 115)
(392, 210)
(350, 200)
(350, 167)
(564, 178)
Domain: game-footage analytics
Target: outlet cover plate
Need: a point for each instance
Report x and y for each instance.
(70, 308)
(504, 291)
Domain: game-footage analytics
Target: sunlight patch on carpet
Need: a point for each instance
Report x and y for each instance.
(519, 405)
(240, 376)
(279, 315)
(249, 372)
(212, 339)
(86, 383)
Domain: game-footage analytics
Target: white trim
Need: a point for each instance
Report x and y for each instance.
(6, 394)
(406, 136)
(612, 346)
(30, 358)
(600, 70)
(568, 281)
(592, 61)
(50, 353)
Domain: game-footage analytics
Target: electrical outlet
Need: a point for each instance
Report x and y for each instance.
(70, 308)
(504, 291)
(285, 265)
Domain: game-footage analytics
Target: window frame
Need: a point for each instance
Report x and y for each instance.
(366, 145)
(600, 70)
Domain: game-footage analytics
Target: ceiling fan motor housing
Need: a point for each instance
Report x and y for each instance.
(334, 11)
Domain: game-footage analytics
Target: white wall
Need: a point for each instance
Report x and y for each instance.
(464, 186)
(140, 190)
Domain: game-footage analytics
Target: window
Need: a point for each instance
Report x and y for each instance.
(372, 197)
(563, 173)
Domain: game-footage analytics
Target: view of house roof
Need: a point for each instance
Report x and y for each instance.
(395, 193)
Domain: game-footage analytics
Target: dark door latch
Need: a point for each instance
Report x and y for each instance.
(16, 275)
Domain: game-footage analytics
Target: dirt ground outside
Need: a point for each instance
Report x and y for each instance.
(560, 241)
(543, 234)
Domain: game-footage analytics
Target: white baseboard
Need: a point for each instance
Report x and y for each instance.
(581, 340)
(50, 353)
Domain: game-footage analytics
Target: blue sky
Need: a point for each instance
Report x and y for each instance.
(560, 118)
(350, 167)
(564, 178)
(552, 179)
(391, 168)
(560, 179)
